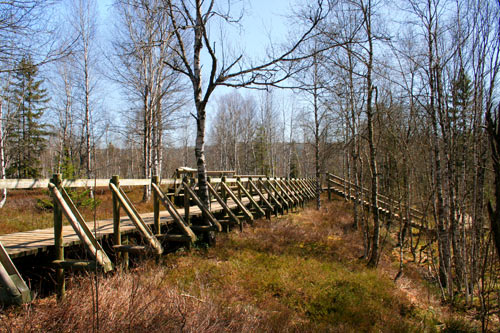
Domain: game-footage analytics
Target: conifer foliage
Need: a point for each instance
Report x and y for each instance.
(27, 140)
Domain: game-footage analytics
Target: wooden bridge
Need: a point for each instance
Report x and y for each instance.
(232, 201)
(386, 206)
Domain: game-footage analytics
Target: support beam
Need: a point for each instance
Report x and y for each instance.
(245, 211)
(82, 230)
(262, 197)
(186, 230)
(250, 197)
(275, 190)
(187, 202)
(308, 189)
(15, 290)
(278, 204)
(137, 219)
(58, 240)
(156, 207)
(285, 193)
(213, 221)
(298, 193)
(221, 201)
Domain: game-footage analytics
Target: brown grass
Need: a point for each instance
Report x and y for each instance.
(136, 302)
(299, 273)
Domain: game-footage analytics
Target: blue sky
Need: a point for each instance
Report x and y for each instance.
(263, 21)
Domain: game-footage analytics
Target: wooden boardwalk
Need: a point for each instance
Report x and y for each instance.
(386, 206)
(229, 195)
(26, 243)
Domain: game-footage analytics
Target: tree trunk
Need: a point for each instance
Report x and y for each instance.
(3, 198)
(375, 243)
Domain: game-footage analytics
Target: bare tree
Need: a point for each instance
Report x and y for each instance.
(191, 21)
(142, 47)
(312, 84)
(84, 23)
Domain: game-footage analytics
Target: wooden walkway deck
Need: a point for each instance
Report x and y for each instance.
(26, 243)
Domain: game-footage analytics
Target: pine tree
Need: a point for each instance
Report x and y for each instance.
(261, 151)
(27, 140)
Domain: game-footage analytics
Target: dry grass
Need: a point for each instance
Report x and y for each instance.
(299, 273)
(136, 302)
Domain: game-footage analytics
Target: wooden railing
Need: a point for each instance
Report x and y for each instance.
(386, 205)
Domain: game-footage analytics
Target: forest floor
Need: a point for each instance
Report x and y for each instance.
(297, 273)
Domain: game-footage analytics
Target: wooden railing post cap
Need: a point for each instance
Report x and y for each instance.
(115, 179)
(57, 179)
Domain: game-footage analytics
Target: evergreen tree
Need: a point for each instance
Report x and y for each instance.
(261, 151)
(27, 140)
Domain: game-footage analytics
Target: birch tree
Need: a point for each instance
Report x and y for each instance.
(142, 47)
(191, 21)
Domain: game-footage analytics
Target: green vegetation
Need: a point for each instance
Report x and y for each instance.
(298, 273)
(27, 137)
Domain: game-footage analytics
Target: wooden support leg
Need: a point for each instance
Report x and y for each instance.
(58, 241)
(329, 189)
(125, 256)
(122, 258)
(156, 207)
(187, 219)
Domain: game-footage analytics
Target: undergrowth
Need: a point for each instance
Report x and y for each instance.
(298, 273)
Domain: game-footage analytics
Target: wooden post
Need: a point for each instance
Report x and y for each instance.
(329, 188)
(58, 240)
(239, 189)
(209, 196)
(222, 190)
(187, 218)
(117, 234)
(156, 207)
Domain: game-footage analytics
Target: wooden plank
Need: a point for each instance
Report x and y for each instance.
(23, 183)
(135, 182)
